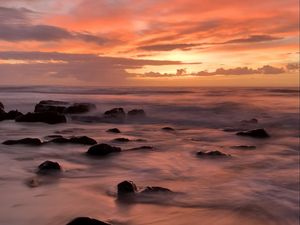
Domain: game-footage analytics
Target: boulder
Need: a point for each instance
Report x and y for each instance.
(257, 133)
(212, 154)
(126, 188)
(168, 129)
(86, 221)
(50, 106)
(115, 114)
(102, 150)
(44, 117)
(121, 140)
(136, 113)
(84, 140)
(77, 108)
(11, 115)
(114, 130)
(49, 167)
(24, 141)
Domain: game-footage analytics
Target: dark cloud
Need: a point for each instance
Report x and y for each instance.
(267, 69)
(253, 39)
(167, 47)
(15, 25)
(83, 67)
(292, 66)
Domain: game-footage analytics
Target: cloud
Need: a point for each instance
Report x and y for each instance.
(166, 47)
(88, 68)
(292, 66)
(16, 25)
(267, 69)
(253, 39)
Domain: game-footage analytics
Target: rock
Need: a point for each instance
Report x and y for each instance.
(244, 147)
(11, 115)
(52, 136)
(257, 133)
(80, 108)
(114, 130)
(1, 106)
(121, 140)
(154, 189)
(136, 113)
(24, 141)
(49, 167)
(212, 154)
(167, 129)
(251, 121)
(44, 117)
(86, 221)
(84, 140)
(115, 114)
(126, 188)
(141, 148)
(102, 150)
(50, 106)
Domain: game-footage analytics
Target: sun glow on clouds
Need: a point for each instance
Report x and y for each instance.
(198, 36)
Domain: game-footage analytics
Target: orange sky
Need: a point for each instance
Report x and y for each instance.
(150, 42)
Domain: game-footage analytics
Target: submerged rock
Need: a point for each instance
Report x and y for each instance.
(168, 129)
(86, 221)
(251, 121)
(126, 188)
(154, 189)
(24, 141)
(44, 117)
(121, 140)
(48, 167)
(102, 150)
(114, 130)
(136, 113)
(80, 108)
(84, 140)
(244, 147)
(115, 114)
(257, 133)
(212, 154)
(141, 148)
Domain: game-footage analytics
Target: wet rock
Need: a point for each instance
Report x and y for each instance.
(126, 188)
(154, 189)
(114, 130)
(50, 106)
(24, 141)
(49, 167)
(244, 147)
(44, 117)
(115, 114)
(136, 113)
(121, 140)
(77, 108)
(168, 129)
(102, 150)
(86, 221)
(52, 136)
(251, 121)
(257, 133)
(1, 106)
(11, 115)
(212, 154)
(141, 148)
(84, 140)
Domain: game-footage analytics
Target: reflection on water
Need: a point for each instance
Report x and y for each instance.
(260, 186)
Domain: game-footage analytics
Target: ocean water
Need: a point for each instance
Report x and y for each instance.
(253, 187)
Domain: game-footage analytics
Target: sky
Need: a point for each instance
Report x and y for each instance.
(149, 42)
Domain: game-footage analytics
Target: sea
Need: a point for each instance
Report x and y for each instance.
(251, 187)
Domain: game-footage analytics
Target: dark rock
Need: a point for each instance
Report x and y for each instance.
(102, 150)
(136, 113)
(115, 114)
(126, 188)
(52, 136)
(24, 141)
(251, 121)
(1, 106)
(44, 117)
(244, 147)
(86, 221)
(142, 148)
(257, 133)
(50, 106)
(114, 130)
(121, 140)
(84, 140)
(212, 154)
(167, 129)
(149, 190)
(11, 115)
(80, 108)
(49, 167)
